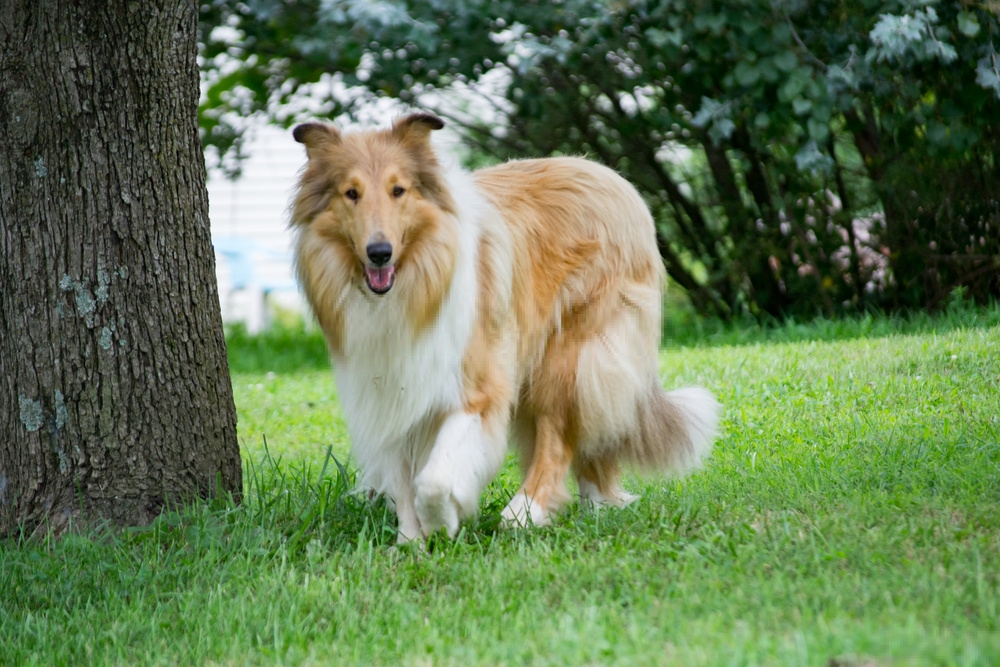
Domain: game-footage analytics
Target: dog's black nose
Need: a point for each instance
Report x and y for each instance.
(379, 253)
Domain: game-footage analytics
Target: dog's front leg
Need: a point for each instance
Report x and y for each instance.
(461, 463)
(408, 524)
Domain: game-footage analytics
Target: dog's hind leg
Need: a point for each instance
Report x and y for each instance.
(598, 480)
(544, 489)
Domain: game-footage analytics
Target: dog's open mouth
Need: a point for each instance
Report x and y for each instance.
(380, 280)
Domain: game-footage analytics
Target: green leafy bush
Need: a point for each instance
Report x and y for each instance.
(800, 157)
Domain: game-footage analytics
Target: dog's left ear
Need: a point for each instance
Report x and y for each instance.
(417, 126)
(413, 133)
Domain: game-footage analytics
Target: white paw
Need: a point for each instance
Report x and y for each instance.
(522, 511)
(590, 494)
(407, 529)
(436, 507)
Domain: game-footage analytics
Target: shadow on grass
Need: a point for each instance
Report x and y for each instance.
(288, 348)
(283, 348)
(683, 330)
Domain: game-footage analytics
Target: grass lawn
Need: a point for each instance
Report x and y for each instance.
(850, 515)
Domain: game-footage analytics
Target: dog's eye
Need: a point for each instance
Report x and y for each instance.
(397, 192)
(352, 194)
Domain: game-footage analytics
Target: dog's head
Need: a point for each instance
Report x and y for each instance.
(376, 195)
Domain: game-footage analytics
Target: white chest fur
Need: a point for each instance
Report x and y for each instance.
(389, 378)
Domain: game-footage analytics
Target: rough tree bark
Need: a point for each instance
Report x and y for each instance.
(115, 395)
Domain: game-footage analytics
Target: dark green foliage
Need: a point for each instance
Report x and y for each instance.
(800, 157)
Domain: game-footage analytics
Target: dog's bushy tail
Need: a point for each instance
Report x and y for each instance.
(675, 431)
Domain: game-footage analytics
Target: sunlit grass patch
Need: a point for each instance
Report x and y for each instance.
(848, 515)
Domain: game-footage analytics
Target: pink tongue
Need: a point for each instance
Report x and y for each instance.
(380, 278)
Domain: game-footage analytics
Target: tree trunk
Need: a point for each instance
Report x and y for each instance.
(115, 396)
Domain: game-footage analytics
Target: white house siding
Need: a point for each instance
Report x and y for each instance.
(250, 215)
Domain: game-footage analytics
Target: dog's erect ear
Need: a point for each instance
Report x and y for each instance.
(316, 137)
(413, 133)
(416, 126)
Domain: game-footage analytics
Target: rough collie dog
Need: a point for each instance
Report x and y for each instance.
(456, 306)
